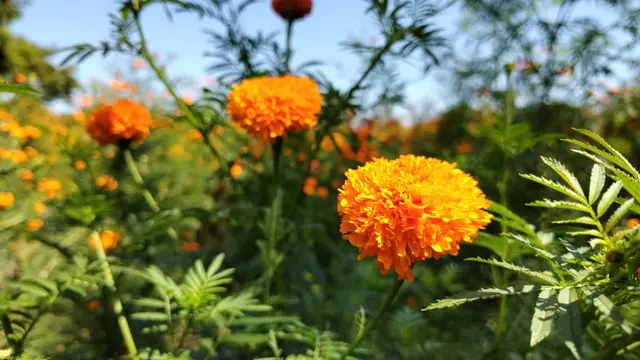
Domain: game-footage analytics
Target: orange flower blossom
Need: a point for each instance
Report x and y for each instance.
(410, 209)
(292, 10)
(269, 107)
(122, 120)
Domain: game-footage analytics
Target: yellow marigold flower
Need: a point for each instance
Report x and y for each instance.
(236, 171)
(109, 240)
(107, 182)
(410, 209)
(122, 120)
(39, 207)
(79, 165)
(19, 156)
(292, 10)
(31, 152)
(195, 135)
(269, 107)
(27, 175)
(50, 187)
(6, 200)
(34, 224)
(31, 132)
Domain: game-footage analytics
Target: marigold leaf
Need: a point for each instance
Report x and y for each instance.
(544, 315)
(581, 220)
(608, 197)
(150, 316)
(554, 185)
(491, 293)
(565, 174)
(594, 233)
(626, 165)
(598, 177)
(555, 204)
(569, 322)
(608, 309)
(520, 269)
(618, 214)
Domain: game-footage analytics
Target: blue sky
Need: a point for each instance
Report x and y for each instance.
(317, 37)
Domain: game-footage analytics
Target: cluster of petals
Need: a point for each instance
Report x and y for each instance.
(270, 107)
(122, 120)
(410, 209)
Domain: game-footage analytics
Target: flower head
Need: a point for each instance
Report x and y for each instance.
(106, 182)
(292, 10)
(34, 224)
(109, 240)
(122, 120)
(410, 209)
(269, 107)
(50, 187)
(6, 200)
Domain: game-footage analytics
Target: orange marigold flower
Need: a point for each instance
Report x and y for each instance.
(236, 171)
(79, 165)
(109, 240)
(50, 187)
(39, 207)
(410, 209)
(464, 147)
(31, 152)
(107, 182)
(27, 175)
(195, 135)
(19, 156)
(322, 192)
(292, 10)
(633, 222)
(122, 120)
(21, 78)
(269, 107)
(93, 305)
(6, 200)
(190, 246)
(310, 184)
(31, 132)
(34, 224)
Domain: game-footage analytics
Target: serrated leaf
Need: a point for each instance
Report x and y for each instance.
(618, 214)
(246, 339)
(625, 164)
(608, 309)
(555, 204)
(215, 265)
(569, 322)
(538, 250)
(598, 177)
(554, 185)
(543, 316)
(581, 220)
(565, 174)
(608, 197)
(519, 269)
(359, 323)
(152, 303)
(31, 289)
(575, 253)
(594, 233)
(491, 293)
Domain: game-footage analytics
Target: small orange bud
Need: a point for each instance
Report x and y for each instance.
(190, 246)
(107, 182)
(79, 165)
(93, 305)
(6, 200)
(292, 10)
(236, 171)
(633, 222)
(34, 224)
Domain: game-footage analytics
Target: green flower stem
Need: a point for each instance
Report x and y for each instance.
(287, 53)
(273, 215)
(146, 55)
(117, 304)
(385, 306)
(500, 276)
(148, 197)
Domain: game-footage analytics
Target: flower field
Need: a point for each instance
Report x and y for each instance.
(280, 216)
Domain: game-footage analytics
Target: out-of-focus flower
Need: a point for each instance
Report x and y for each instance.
(79, 117)
(292, 10)
(269, 107)
(633, 222)
(39, 207)
(21, 78)
(190, 246)
(464, 147)
(34, 224)
(86, 100)
(79, 165)
(31, 152)
(322, 192)
(6, 200)
(188, 100)
(50, 187)
(93, 305)
(19, 156)
(410, 209)
(310, 184)
(122, 120)
(138, 64)
(106, 182)
(195, 135)
(236, 171)
(314, 165)
(108, 238)
(27, 175)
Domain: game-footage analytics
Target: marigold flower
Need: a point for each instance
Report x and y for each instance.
(464, 147)
(31, 132)
(109, 240)
(93, 305)
(21, 78)
(633, 222)
(34, 224)
(19, 156)
(190, 246)
(410, 209)
(107, 182)
(292, 10)
(195, 135)
(269, 107)
(27, 175)
(122, 120)
(322, 192)
(79, 165)
(236, 171)
(31, 152)
(6, 200)
(39, 207)
(50, 187)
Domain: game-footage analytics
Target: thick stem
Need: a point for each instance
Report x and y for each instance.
(385, 306)
(148, 197)
(127, 336)
(273, 214)
(146, 55)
